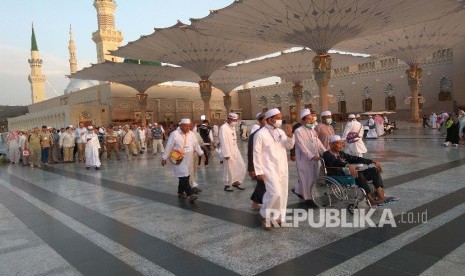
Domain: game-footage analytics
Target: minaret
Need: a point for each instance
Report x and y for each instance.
(72, 53)
(106, 38)
(36, 79)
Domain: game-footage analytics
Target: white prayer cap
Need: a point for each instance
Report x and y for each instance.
(260, 115)
(71, 126)
(49, 127)
(326, 113)
(155, 124)
(357, 116)
(369, 116)
(233, 116)
(335, 138)
(90, 127)
(304, 112)
(272, 112)
(185, 121)
(101, 130)
(351, 116)
(150, 124)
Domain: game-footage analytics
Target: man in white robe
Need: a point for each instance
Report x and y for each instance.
(357, 147)
(92, 149)
(233, 165)
(372, 129)
(271, 166)
(183, 140)
(308, 149)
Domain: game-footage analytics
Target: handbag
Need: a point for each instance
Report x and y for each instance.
(352, 136)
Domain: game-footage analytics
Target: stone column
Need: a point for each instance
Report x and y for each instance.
(322, 74)
(142, 101)
(206, 94)
(297, 93)
(227, 103)
(413, 78)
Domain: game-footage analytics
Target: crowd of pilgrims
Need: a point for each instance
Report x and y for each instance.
(450, 124)
(41, 147)
(184, 146)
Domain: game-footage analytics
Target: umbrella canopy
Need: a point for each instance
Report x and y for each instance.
(414, 43)
(317, 24)
(228, 78)
(137, 76)
(184, 46)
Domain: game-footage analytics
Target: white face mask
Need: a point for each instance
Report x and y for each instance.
(233, 124)
(278, 123)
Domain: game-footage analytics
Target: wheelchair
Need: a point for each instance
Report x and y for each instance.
(338, 191)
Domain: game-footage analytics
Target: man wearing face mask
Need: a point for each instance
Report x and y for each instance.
(308, 149)
(233, 165)
(325, 130)
(270, 163)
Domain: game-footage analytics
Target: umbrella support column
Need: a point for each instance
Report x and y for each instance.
(206, 94)
(413, 78)
(322, 74)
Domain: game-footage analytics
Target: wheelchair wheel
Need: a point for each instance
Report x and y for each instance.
(326, 192)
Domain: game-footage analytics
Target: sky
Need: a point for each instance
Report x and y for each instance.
(52, 19)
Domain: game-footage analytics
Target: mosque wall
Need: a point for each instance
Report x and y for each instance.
(374, 79)
(166, 103)
(459, 74)
(58, 116)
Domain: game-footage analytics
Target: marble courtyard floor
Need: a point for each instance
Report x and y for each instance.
(126, 219)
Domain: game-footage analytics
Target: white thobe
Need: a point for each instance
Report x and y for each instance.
(461, 126)
(13, 150)
(307, 146)
(433, 121)
(357, 148)
(270, 160)
(193, 168)
(142, 134)
(233, 168)
(372, 131)
(92, 147)
(187, 143)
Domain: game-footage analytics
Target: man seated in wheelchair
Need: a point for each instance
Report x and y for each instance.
(338, 162)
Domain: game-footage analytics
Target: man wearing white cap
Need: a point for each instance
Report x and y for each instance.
(372, 128)
(353, 134)
(182, 140)
(92, 149)
(308, 149)
(325, 130)
(233, 164)
(270, 161)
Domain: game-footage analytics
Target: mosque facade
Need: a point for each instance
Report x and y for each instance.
(379, 84)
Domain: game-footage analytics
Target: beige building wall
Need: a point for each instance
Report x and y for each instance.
(375, 75)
